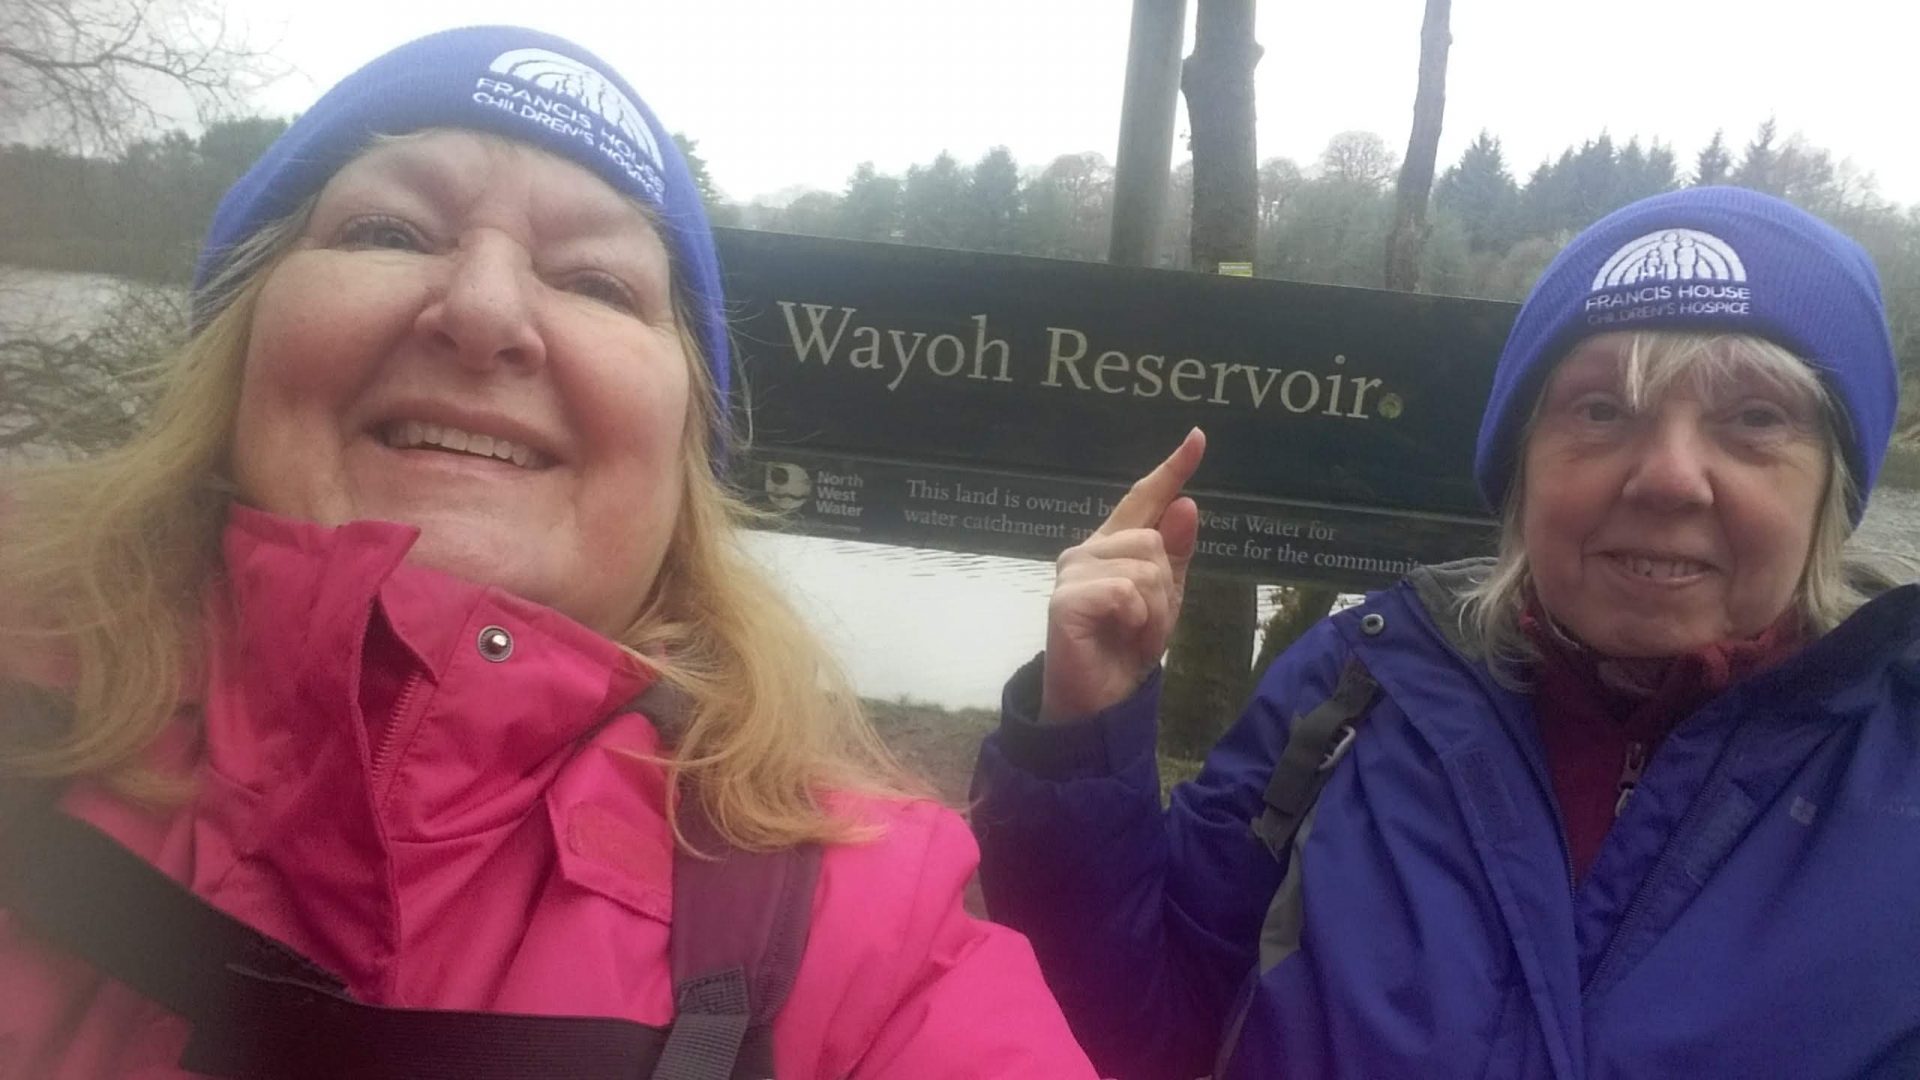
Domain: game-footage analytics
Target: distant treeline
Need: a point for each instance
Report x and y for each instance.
(1327, 221)
(139, 215)
(143, 213)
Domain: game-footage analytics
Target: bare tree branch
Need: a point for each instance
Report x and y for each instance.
(70, 388)
(94, 75)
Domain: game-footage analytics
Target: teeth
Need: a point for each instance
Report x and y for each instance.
(411, 434)
(1660, 569)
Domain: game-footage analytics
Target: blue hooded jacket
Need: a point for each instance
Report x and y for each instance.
(1751, 913)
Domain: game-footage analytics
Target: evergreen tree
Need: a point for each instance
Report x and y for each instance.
(1759, 164)
(932, 203)
(697, 165)
(992, 202)
(870, 210)
(1713, 165)
(1481, 193)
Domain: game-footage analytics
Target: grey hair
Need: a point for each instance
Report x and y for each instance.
(1835, 582)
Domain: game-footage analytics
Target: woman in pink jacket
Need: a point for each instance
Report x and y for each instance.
(399, 703)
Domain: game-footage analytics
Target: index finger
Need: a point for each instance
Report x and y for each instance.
(1150, 496)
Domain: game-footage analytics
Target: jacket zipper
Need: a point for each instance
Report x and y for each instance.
(1630, 771)
(386, 748)
(1638, 904)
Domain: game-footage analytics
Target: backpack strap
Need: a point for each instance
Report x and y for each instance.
(28, 714)
(77, 886)
(260, 1009)
(740, 922)
(1315, 745)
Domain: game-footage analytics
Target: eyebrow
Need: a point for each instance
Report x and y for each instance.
(598, 216)
(446, 183)
(1587, 377)
(405, 161)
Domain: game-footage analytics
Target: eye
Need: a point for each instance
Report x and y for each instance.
(1760, 421)
(1599, 410)
(381, 232)
(1760, 418)
(604, 288)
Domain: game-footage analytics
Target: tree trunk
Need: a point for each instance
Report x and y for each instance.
(1142, 165)
(1410, 227)
(1218, 81)
(1208, 671)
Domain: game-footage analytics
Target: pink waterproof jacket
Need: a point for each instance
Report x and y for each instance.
(446, 827)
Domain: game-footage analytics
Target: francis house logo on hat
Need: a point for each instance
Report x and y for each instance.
(567, 95)
(1672, 255)
(1669, 273)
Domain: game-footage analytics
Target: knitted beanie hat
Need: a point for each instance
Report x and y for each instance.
(1715, 260)
(522, 84)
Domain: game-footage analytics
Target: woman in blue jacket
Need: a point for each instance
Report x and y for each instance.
(1639, 797)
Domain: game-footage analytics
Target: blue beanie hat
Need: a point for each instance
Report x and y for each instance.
(521, 84)
(1715, 260)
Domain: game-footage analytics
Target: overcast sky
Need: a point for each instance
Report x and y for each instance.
(792, 93)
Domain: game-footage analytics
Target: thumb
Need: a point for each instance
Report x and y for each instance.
(1180, 533)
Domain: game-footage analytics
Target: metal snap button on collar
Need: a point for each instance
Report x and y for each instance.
(495, 643)
(1372, 623)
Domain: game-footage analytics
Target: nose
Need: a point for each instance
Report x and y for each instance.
(1673, 469)
(484, 317)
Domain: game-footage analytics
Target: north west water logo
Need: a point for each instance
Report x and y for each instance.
(1669, 273)
(566, 95)
(788, 485)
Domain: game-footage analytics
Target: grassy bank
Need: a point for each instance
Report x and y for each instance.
(941, 744)
(937, 744)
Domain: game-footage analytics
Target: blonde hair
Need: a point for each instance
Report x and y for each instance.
(1830, 587)
(106, 560)
(772, 723)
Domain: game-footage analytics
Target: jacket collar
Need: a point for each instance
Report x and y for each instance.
(1884, 630)
(476, 735)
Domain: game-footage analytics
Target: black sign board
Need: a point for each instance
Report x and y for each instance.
(999, 403)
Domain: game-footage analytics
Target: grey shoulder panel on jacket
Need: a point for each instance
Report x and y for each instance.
(1442, 590)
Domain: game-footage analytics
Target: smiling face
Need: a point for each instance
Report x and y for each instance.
(1682, 521)
(477, 338)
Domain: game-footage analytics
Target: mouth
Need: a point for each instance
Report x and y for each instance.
(421, 435)
(1657, 567)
